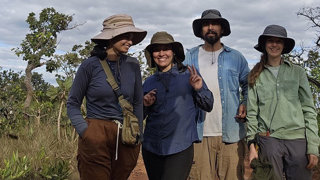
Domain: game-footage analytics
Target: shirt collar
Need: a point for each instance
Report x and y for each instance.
(282, 63)
(173, 71)
(225, 48)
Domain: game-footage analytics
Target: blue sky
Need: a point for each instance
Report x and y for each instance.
(247, 20)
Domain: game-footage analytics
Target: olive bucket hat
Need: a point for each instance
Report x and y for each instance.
(164, 38)
(275, 31)
(119, 24)
(211, 14)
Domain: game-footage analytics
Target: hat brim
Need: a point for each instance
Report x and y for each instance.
(108, 34)
(289, 43)
(197, 26)
(177, 49)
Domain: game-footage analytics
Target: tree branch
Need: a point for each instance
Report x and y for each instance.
(314, 81)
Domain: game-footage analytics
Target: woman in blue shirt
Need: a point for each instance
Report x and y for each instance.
(173, 96)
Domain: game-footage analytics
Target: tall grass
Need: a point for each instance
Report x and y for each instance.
(41, 146)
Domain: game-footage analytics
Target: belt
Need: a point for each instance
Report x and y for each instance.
(264, 133)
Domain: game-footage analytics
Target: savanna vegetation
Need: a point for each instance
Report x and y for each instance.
(36, 136)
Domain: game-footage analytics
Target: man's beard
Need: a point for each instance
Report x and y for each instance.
(211, 39)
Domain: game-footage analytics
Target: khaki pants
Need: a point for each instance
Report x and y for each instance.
(215, 160)
(97, 150)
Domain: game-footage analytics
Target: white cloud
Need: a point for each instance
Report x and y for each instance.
(247, 19)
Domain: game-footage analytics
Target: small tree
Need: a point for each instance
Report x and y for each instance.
(41, 43)
(312, 61)
(60, 94)
(67, 63)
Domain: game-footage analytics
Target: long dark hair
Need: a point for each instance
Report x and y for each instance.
(256, 70)
(181, 67)
(99, 50)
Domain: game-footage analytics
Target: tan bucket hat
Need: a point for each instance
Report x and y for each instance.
(119, 24)
(164, 38)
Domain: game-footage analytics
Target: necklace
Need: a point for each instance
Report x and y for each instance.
(213, 57)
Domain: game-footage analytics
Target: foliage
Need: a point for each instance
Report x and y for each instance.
(16, 167)
(20, 168)
(69, 62)
(42, 39)
(58, 169)
(60, 94)
(41, 42)
(11, 95)
(47, 157)
(146, 71)
(312, 62)
(11, 85)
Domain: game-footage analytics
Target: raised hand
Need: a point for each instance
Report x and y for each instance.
(195, 80)
(149, 98)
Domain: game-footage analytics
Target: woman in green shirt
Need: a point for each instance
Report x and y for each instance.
(280, 110)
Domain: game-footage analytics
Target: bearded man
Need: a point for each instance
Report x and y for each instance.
(220, 154)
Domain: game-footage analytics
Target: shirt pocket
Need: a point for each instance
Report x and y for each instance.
(291, 89)
(233, 80)
(265, 93)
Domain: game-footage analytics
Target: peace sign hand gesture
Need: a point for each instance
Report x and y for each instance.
(195, 80)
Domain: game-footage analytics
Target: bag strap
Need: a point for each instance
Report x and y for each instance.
(113, 83)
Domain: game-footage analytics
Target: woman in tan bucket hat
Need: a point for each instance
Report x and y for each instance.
(280, 111)
(171, 97)
(100, 153)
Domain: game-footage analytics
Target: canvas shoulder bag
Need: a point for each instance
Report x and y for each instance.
(130, 128)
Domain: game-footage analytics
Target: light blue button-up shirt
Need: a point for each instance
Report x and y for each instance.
(233, 74)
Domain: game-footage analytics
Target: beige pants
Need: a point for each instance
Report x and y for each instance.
(215, 160)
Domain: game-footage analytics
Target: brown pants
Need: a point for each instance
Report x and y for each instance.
(215, 160)
(97, 152)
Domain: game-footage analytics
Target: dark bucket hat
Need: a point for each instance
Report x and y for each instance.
(119, 24)
(210, 14)
(275, 31)
(164, 38)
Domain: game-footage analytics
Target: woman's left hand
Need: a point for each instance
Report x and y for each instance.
(313, 161)
(195, 80)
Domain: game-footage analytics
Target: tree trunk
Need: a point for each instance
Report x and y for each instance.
(38, 117)
(28, 84)
(59, 118)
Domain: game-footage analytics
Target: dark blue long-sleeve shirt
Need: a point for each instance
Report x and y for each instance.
(171, 120)
(101, 101)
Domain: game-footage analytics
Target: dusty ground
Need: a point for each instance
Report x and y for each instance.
(139, 173)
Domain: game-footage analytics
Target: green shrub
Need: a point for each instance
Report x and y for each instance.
(58, 170)
(16, 167)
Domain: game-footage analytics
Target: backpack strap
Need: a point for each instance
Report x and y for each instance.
(113, 83)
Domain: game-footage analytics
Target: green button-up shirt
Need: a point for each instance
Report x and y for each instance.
(284, 106)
